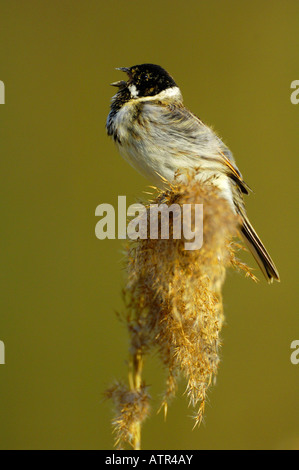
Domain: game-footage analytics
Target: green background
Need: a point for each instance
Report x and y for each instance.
(234, 62)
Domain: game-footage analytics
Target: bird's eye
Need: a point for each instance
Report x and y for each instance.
(146, 77)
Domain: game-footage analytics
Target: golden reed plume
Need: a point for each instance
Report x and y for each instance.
(173, 304)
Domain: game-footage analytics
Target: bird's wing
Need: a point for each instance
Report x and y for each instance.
(235, 174)
(226, 157)
(191, 135)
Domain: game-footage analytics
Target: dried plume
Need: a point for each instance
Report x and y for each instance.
(173, 305)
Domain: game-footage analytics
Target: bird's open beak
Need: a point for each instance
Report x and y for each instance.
(121, 83)
(123, 69)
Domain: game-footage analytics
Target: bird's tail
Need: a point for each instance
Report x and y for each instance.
(258, 250)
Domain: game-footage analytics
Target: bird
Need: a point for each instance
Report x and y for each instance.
(156, 134)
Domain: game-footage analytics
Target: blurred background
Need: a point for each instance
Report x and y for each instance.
(234, 62)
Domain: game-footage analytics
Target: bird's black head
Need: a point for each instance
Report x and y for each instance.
(144, 80)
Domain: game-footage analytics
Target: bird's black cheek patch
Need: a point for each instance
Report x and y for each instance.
(151, 85)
